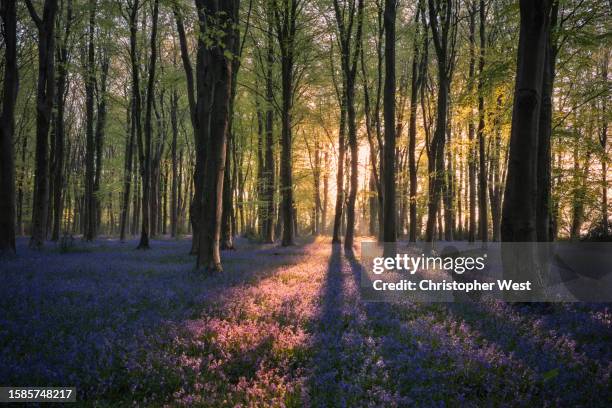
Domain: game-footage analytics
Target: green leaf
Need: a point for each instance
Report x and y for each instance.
(549, 375)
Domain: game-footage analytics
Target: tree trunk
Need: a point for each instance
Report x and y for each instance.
(482, 174)
(174, 189)
(44, 105)
(268, 235)
(544, 182)
(412, 168)
(441, 27)
(99, 140)
(127, 172)
(58, 165)
(90, 147)
(471, 147)
(340, 172)
(603, 139)
(145, 148)
(7, 129)
(519, 207)
(214, 76)
(519, 212)
(389, 213)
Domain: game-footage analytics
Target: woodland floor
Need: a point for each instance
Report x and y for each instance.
(280, 327)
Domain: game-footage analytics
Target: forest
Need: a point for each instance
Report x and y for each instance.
(185, 185)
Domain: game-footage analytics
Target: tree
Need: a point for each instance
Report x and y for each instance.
(45, 94)
(519, 206)
(388, 165)
(196, 201)
(442, 20)
(286, 14)
(268, 229)
(90, 147)
(144, 148)
(62, 57)
(349, 15)
(135, 108)
(482, 173)
(7, 129)
(417, 80)
(213, 78)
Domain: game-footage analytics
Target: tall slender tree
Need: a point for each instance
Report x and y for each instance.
(416, 83)
(349, 21)
(62, 57)
(482, 171)
(443, 23)
(7, 128)
(45, 93)
(286, 14)
(388, 165)
(90, 147)
(144, 147)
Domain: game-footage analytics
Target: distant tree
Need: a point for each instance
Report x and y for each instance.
(90, 147)
(62, 57)
(349, 14)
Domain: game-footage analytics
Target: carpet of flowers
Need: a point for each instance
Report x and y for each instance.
(280, 327)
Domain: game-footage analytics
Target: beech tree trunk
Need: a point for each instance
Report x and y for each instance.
(269, 174)
(519, 207)
(482, 174)
(441, 28)
(45, 94)
(340, 172)
(388, 167)
(214, 77)
(285, 16)
(7, 129)
(414, 92)
(62, 88)
(90, 148)
(145, 146)
(543, 199)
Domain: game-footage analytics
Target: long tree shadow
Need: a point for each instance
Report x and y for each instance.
(326, 378)
(97, 307)
(427, 344)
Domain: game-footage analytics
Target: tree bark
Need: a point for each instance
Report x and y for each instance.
(62, 88)
(7, 129)
(519, 211)
(213, 76)
(44, 105)
(389, 212)
(482, 174)
(286, 28)
(414, 92)
(441, 28)
(90, 147)
(543, 199)
(340, 172)
(145, 147)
